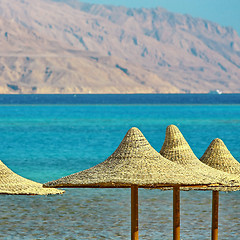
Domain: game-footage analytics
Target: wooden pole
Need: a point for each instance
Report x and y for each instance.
(215, 203)
(176, 213)
(134, 212)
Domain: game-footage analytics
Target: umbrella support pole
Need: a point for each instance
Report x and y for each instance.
(176, 213)
(215, 203)
(134, 212)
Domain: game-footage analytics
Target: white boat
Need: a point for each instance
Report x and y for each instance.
(217, 91)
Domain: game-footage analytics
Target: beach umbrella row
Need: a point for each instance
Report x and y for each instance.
(135, 164)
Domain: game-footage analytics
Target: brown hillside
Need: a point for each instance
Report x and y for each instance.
(70, 47)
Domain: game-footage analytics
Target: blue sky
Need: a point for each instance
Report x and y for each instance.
(223, 12)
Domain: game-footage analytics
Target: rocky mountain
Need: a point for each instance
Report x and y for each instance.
(64, 46)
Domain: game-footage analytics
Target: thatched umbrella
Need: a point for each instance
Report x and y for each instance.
(176, 149)
(219, 157)
(134, 164)
(12, 183)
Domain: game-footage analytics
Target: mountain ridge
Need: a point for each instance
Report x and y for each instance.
(131, 50)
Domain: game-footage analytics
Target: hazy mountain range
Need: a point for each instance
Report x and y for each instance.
(50, 46)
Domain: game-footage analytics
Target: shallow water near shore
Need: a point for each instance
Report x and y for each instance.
(46, 142)
(105, 214)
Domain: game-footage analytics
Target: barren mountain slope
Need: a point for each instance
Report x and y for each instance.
(69, 47)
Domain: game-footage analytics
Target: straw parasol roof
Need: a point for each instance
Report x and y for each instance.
(218, 156)
(136, 162)
(176, 149)
(12, 183)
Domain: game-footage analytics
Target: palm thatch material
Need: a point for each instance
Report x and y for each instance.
(12, 183)
(135, 162)
(218, 156)
(176, 149)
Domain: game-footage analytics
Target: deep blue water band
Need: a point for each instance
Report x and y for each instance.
(120, 99)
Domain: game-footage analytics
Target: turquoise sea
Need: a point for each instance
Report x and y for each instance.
(45, 140)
